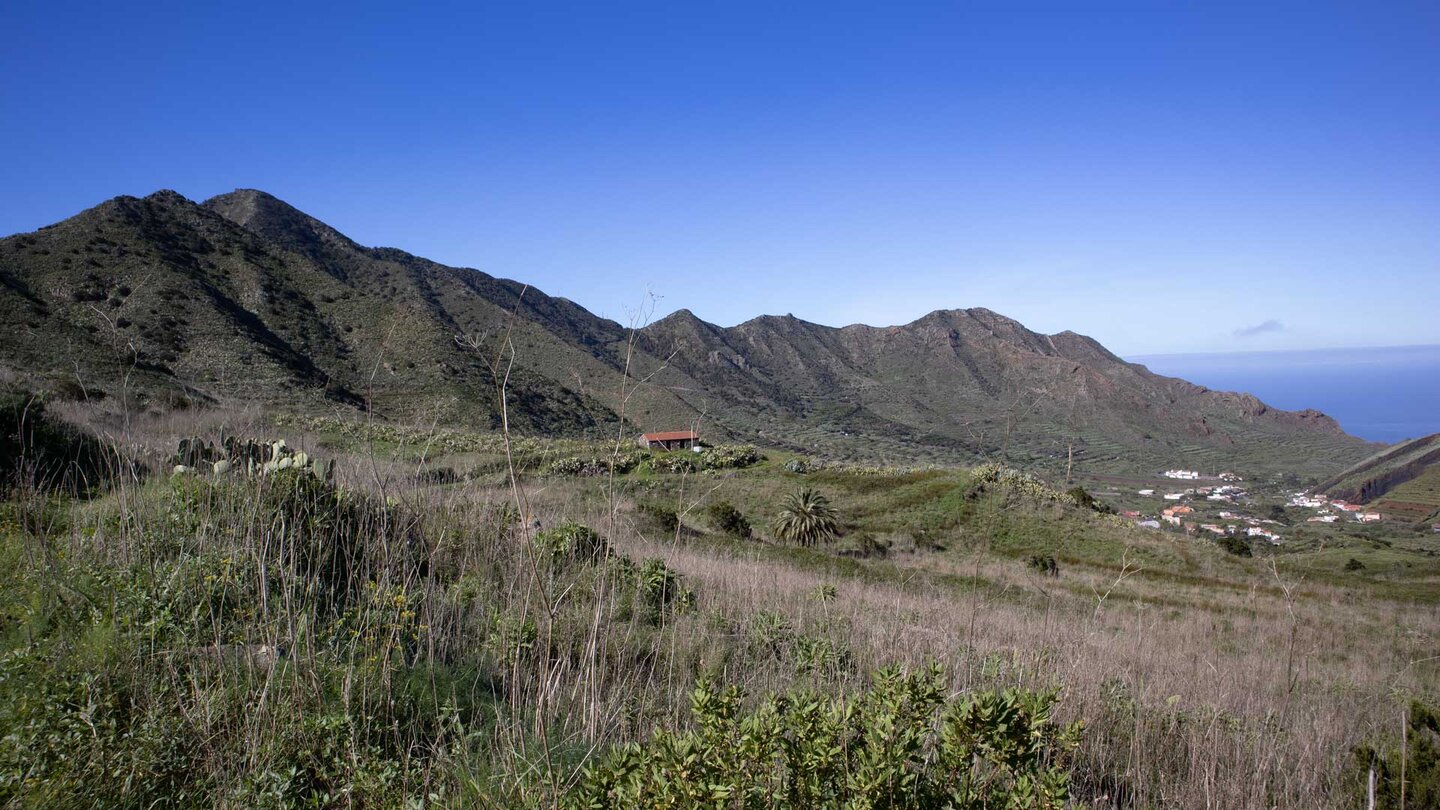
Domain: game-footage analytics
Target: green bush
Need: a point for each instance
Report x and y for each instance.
(144, 696)
(329, 532)
(1420, 763)
(1084, 499)
(868, 545)
(649, 589)
(824, 592)
(674, 463)
(620, 463)
(36, 448)
(1236, 545)
(71, 732)
(770, 631)
(1043, 563)
(571, 465)
(821, 656)
(572, 542)
(658, 587)
(730, 456)
(663, 517)
(724, 517)
(901, 744)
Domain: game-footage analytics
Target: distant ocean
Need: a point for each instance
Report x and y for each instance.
(1382, 394)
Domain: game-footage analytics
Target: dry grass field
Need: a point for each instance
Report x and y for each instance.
(412, 637)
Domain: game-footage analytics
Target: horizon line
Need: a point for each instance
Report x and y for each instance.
(1392, 347)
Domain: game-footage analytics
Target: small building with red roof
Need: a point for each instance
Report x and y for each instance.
(669, 440)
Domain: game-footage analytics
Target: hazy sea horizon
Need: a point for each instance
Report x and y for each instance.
(1384, 394)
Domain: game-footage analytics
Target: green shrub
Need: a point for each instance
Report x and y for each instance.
(36, 448)
(901, 744)
(136, 699)
(572, 542)
(1085, 500)
(332, 533)
(1420, 763)
(821, 656)
(868, 545)
(730, 456)
(619, 463)
(674, 463)
(658, 587)
(724, 517)
(627, 461)
(71, 733)
(650, 589)
(571, 465)
(824, 592)
(771, 631)
(1236, 545)
(1043, 563)
(663, 517)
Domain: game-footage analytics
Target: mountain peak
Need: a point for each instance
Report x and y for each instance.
(680, 316)
(247, 280)
(244, 205)
(273, 218)
(168, 196)
(680, 322)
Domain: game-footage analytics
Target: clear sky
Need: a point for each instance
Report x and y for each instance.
(1164, 176)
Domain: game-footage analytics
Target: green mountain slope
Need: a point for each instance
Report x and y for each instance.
(1401, 482)
(974, 380)
(243, 297)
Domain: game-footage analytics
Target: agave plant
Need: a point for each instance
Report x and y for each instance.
(806, 517)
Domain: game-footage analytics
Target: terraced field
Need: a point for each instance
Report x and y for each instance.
(1415, 499)
(1379, 475)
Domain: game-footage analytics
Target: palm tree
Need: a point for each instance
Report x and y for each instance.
(807, 518)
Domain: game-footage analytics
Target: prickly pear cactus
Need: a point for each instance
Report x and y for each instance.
(248, 456)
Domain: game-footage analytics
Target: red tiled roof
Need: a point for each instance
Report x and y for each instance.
(671, 436)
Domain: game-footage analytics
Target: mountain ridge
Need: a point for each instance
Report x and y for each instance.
(1401, 482)
(245, 296)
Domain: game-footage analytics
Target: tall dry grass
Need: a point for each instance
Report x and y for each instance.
(1195, 693)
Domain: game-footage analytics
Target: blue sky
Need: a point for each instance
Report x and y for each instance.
(1166, 177)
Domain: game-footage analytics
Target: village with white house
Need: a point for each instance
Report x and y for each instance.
(1332, 511)
(1221, 505)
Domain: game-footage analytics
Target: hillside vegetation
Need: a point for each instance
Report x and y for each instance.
(459, 619)
(242, 298)
(1402, 481)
